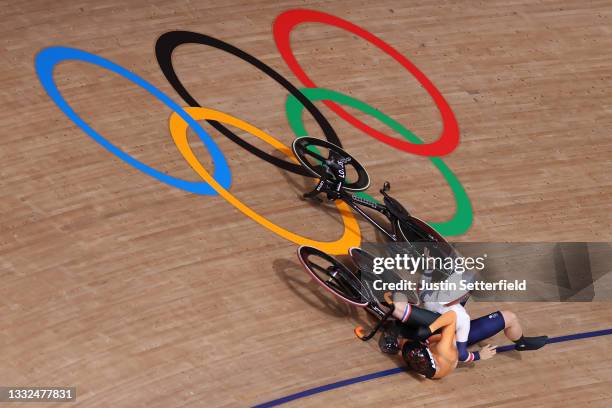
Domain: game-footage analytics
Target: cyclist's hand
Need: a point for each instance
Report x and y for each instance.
(487, 352)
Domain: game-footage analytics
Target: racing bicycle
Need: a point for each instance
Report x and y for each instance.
(348, 286)
(341, 175)
(352, 287)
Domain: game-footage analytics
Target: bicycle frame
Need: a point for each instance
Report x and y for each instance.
(355, 202)
(335, 190)
(332, 174)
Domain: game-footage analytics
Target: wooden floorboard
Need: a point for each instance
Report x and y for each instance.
(140, 294)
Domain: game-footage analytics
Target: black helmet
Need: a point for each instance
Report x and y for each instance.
(419, 358)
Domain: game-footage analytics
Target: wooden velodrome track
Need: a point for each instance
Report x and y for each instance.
(140, 294)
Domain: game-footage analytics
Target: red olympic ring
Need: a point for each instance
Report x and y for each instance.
(284, 24)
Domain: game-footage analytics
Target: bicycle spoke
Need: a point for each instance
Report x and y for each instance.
(333, 155)
(319, 169)
(318, 267)
(338, 280)
(348, 285)
(332, 284)
(315, 155)
(333, 279)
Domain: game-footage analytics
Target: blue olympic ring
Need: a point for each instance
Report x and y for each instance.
(48, 58)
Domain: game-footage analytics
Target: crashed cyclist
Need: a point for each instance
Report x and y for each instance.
(435, 355)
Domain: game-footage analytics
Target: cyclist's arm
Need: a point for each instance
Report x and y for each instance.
(445, 351)
(466, 356)
(444, 322)
(446, 346)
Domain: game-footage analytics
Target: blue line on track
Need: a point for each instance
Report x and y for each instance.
(392, 371)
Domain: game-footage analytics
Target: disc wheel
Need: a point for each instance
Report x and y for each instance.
(333, 276)
(313, 153)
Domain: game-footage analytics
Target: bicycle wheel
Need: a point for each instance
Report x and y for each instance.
(333, 276)
(313, 153)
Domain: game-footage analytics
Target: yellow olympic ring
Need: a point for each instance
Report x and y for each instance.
(178, 130)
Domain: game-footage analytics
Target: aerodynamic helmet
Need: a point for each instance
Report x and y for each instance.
(419, 358)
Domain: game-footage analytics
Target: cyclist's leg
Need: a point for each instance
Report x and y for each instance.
(514, 332)
(493, 323)
(410, 314)
(408, 318)
(485, 327)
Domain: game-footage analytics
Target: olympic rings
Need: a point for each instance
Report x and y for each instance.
(48, 58)
(166, 44)
(461, 221)
(220, 181)
(284, 24)
(178, 129)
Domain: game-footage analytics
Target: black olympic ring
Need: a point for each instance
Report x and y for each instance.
(166, 44)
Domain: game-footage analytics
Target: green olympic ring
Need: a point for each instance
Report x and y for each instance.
(463, 218)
